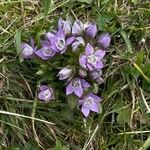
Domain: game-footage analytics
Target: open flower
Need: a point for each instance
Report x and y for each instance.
(65, 25)
(77, 42)
(104, 40)
(77, 86)
(58, 42)
(65, 73)
(27, 50)
(46, 51)
(77, 28)
(91, 30)
(90, 102)
(91, 60)
(46, 93)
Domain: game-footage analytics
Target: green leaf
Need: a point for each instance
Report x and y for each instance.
(85, 1)
(17, 39)
(65, 148)
(72, 102)
(127, 40)
(58, 145)
(103, 20)
(123, 116)
(140, 58)
(46, 7)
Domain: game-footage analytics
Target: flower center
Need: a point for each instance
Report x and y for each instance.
(76, 83)
(91, 59)
(61, 44)
(47, 51)
(47, 94)
(88, 101)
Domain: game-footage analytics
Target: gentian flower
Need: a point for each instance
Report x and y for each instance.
(91, 60)
(46, 51)
(65, 25)
(91, 102)
(65, 73)
(27, 50)
(96, 76)
(77, 42)
(58, 42)
(104, 40)
(91, 30)
(77, 86)
(77, 28)
(46, 93)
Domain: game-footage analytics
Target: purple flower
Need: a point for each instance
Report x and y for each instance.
(46, 93)
(96, 75)
(65, 73)
(77, 28)
(58, 42)
(104, 40)
(77, 42)
(91, 60)
(77, 86)
(91, 30)
(65, 25)
(46, 51)
(27, 50)
(91, 102)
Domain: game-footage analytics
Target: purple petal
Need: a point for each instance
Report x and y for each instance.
(90, 67)
(104, 40)
(26, 50)
(40, 54)
(43, 87)
(69, 89)
(70, 40)
(91, 30)
(41, 96)
(94, 107)
(85, 84)
(81, 101)
(60, 23)
(79, 91)
(60, 33)
(100, 54)
(85, 111)
(82, 61)
(89, 49)
(49, 35)
(77, 27)
(99, 65)
(96, 98)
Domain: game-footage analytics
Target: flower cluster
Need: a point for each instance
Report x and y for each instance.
(86, 50)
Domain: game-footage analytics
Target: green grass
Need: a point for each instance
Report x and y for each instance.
(124, 123)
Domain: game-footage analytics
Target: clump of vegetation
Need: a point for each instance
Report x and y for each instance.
(123, 118)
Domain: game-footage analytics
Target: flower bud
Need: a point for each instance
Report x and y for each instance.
(82, 73)
(96, 76)
(91, 30)
(104, 40)
(65, 25)
(65, 73)
(26, 50)
(77, 27)
(46, 93)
